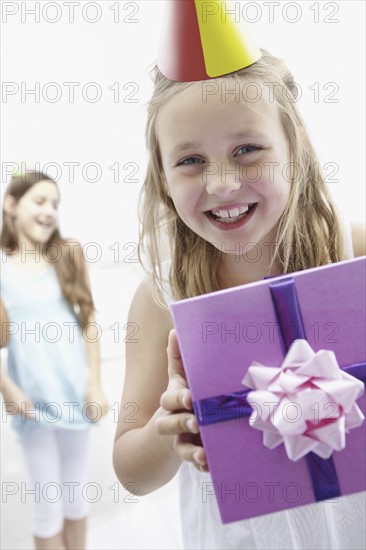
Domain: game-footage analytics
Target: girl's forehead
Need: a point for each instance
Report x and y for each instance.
(44, 188)
(222, 101)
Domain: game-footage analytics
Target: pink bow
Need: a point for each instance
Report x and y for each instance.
(308, 404)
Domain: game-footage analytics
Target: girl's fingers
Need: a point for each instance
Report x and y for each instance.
(182, 425)
(177, 395)
(174, 424)
(177, 377)
(191, 453)
(173, 347)
(176, 399)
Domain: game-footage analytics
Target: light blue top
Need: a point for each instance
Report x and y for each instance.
(46, 351)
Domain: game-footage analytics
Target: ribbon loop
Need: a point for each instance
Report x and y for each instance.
(315, 402)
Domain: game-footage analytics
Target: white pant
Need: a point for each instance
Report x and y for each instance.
(57, 464)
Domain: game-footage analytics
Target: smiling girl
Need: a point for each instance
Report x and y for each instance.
(53, 372)
(227, 181)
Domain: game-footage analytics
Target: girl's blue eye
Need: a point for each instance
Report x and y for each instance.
(188, 161)
(249, 148)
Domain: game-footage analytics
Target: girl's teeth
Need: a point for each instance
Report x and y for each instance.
(231, 216)
(243, 209)
(233, 213)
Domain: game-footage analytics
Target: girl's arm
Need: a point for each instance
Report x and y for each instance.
(144, 459)
(15, 400)
(4, 321)
(141, 456)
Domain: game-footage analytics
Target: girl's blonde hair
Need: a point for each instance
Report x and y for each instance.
(65, 255)
(309, 231)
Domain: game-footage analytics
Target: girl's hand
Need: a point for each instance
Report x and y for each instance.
(95, 397)
(15, 400)
(179, 420)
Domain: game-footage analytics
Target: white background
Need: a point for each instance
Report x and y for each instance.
(317, 52)
(104, 212)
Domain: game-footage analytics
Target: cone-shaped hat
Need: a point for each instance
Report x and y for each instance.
(200, 40)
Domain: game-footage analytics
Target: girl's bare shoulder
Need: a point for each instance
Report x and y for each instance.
(145, 309)
(358, 238)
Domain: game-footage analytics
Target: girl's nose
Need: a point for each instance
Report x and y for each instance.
(50, 210)
(222, 179)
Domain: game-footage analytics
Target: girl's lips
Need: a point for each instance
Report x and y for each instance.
(232, 225)
(44, 225)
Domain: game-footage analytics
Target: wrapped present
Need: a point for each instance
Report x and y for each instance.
(277, 372)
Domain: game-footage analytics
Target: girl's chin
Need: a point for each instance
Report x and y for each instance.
(40, 239)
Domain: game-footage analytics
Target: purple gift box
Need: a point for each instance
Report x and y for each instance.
(221, 334)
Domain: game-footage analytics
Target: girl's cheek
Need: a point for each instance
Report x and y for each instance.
(252, 173)
(186, 188)
(261, 185)
(266, 181)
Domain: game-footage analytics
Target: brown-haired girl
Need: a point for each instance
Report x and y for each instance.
(53, 371)
(233, 193)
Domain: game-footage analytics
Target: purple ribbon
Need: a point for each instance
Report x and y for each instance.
(287, 308)
(221, 408)
(322, 472)
(231, 406)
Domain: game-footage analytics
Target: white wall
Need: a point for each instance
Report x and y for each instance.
(324, 55)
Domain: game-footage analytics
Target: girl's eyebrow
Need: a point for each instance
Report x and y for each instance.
(253, 134)
(40, 196)
(181, 147)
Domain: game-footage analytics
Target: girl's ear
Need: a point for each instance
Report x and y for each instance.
(9, 205)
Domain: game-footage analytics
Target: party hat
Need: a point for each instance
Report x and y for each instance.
(201, 40)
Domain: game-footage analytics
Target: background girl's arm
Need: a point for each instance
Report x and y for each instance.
(141, 455)
(4, 323)
(16, 401)
(359, 239)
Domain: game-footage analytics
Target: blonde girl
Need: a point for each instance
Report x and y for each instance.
(225, 177)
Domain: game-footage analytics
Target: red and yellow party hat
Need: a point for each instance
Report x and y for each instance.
(201, 40)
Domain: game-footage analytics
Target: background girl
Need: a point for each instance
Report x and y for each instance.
(195, 206)
(53, 357)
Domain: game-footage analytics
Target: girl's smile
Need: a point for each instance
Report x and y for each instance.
(231, 216)
(225, 165)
